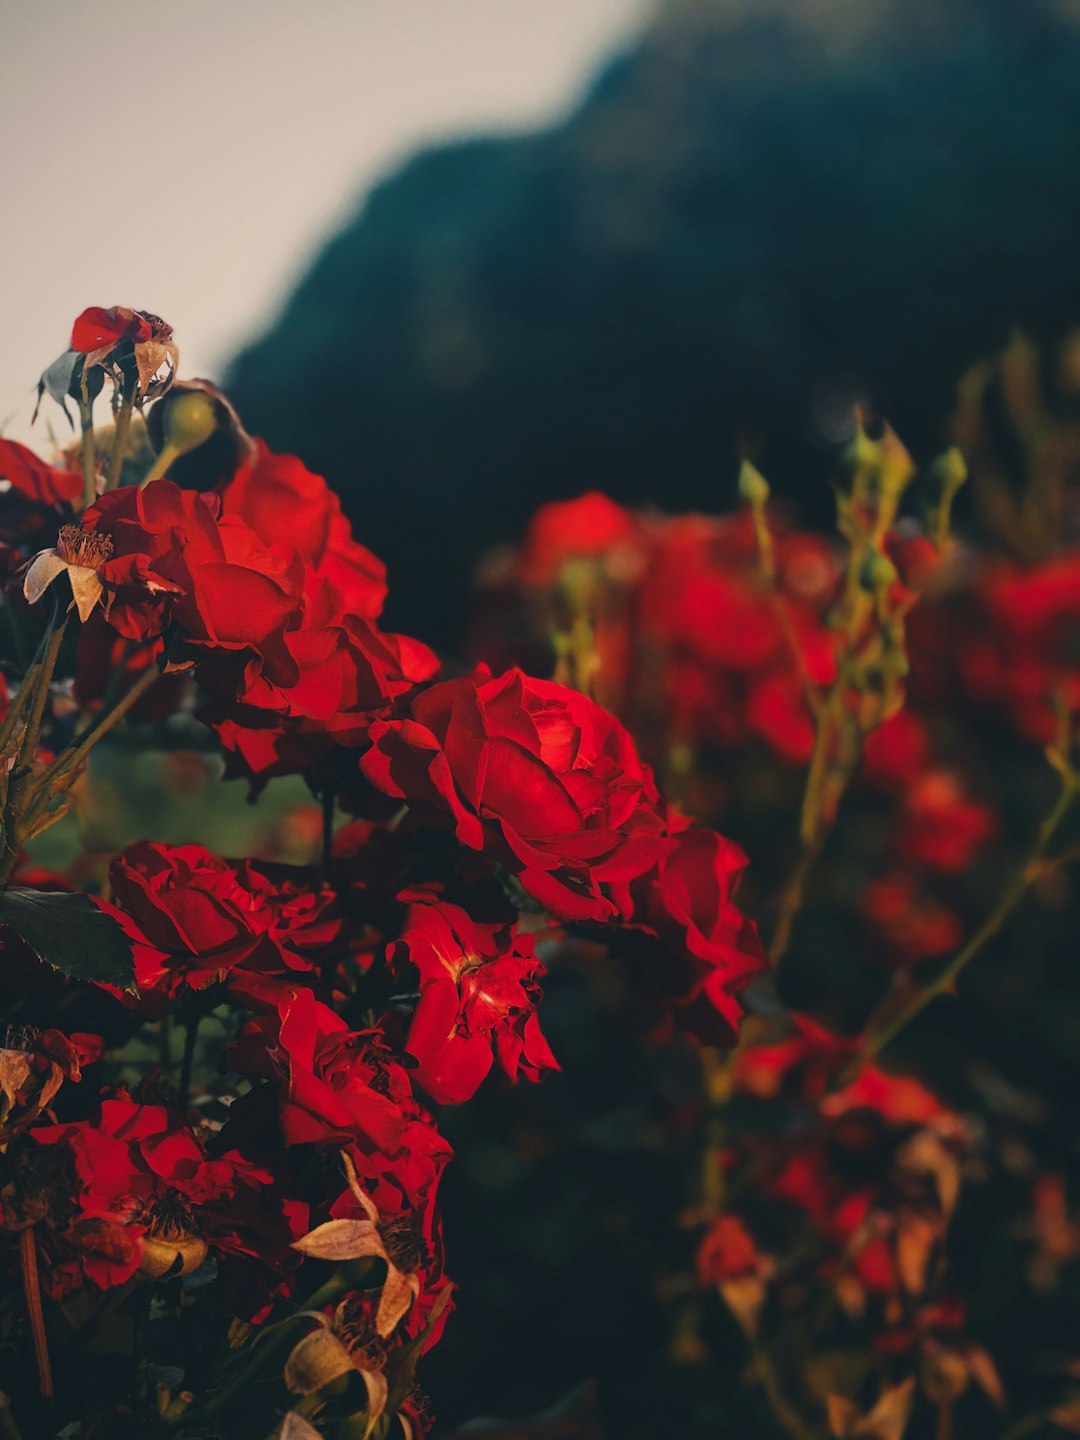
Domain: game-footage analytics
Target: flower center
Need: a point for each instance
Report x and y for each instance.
(169, 1217)
(88, 548)
(404, 1243)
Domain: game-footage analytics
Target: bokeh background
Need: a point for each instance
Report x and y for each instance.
(465, 256)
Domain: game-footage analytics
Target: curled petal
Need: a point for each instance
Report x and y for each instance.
(377, 1392)
(342, 1240)
(295, 1427)
(315, 1361)
(43, 570)
(86, 587)
(398, 1293)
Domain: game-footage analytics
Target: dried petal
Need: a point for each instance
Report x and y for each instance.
(342, 1240)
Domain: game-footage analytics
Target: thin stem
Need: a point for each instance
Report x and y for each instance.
(86, 417)
(32, 1292)
(1011, 896)
(13, 816)
(68, 759)
(328, 801)
(943, 1429)
(785, 1413)
(190, 1037)
(119, 444)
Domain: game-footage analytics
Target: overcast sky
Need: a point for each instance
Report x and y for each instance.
(189, 158)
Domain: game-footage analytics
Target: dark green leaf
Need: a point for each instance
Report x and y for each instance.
(71, 934)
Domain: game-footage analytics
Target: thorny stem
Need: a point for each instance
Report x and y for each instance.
(32, 1292)
(1011, 896)
(122, 426)
(35, 704)
(86, 417)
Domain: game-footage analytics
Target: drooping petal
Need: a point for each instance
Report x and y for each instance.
(342, 1240)
(86, 587)
(43, 570)
(398, 1294)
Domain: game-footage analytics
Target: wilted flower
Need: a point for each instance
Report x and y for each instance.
(79, 554)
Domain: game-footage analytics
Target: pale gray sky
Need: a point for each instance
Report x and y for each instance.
(189, 158)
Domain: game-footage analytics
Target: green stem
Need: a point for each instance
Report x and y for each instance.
(785, 1413)
(74, 755)
(86, 418)
(13, 805)
(190, 1037)
(120, 436)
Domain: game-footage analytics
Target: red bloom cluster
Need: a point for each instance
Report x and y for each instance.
(874, 1165)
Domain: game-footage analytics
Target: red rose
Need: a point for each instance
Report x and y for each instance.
(688, 904)
(97, 327)
(942, 828)
(146, 1191)
(344, 675)
(727, 1252)
(286, 504)
(478, 980)
(34, 479)
(221, 585)
(195, 921)
(344, 1088)
(592, 527)
(536, 774)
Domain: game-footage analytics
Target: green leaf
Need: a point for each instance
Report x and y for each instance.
(70, 933)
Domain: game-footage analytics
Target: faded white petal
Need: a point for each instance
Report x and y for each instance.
(86, 587)
(342, 1240)
(43, 570)
(318, 1359)
(377, 1392)
(398, 1293)
(295, 1427)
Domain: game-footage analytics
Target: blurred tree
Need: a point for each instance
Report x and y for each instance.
(762, 213)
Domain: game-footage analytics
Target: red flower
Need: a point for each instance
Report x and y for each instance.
(592, 527)
(342, 675)
(117, 337)
(146, 1193)
(195, 920)
(34, 479)
(688, 903)
(897, 752)
(727, 1252)
(536, 774)
(221, 585)
(942, 829)
(912, 924)
(286, 504)
(478, 978)
(343, 1088)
